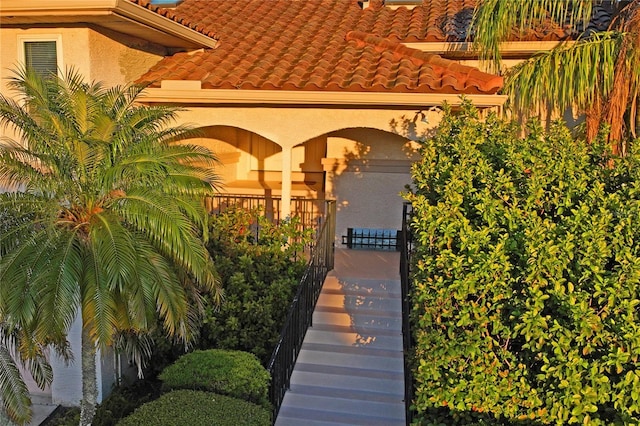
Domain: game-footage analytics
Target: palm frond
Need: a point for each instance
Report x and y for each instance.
(495, 21)
(574, 75)
(13, 391)
(56, 285)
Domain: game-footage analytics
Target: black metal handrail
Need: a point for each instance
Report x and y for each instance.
(307, 209)
(405, 281)
(300, 314)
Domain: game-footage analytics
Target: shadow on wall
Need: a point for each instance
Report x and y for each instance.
(367, 170)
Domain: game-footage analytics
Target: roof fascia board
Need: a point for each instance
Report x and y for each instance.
(100, 8)
(157, 21)
(318, 98)
(511, 48)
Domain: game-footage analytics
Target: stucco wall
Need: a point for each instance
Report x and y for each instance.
(97, 55)
(366, 172)
(290, 126)
(367, 153)
(66, 388)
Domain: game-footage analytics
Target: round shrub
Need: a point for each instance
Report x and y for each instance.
(197, 408)
(234, 373)
(526, 277)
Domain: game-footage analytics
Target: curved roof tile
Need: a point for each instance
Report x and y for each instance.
(324, 45)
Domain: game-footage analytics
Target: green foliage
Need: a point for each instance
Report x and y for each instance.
(196, 408)
(259, 276)
(234, 373)
(526, 272)
(124, 400)
(109, 216)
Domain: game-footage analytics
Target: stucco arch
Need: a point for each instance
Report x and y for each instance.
(252, 164)
(289, 126)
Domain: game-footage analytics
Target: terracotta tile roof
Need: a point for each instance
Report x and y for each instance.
(331, 45)
(446, 76)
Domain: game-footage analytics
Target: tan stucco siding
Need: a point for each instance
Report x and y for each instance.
(290, 126)
(97, 56)
(117, 59)
(366, 172)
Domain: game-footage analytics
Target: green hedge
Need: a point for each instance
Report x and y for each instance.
(197, 408)
(526, 270)
(260, 276)
(234, 373)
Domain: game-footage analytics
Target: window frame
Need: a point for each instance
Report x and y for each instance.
(27, 38)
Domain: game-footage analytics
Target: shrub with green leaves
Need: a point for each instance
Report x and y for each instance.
(260, 265)
(526, 304)
(260, 276)
(197, 408)
(234, 373)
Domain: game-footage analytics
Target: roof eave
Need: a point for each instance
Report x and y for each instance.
(313, 98)
(511, 49)
(118, 15)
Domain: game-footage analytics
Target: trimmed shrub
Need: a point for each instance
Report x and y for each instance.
(123, 400)
(526, 273)
(260, 272)
(197, 408)
(234, 373)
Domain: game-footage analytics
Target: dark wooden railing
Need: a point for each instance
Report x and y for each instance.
(405, 281)
(300, 314)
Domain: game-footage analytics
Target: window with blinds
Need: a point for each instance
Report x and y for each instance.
(42, 56)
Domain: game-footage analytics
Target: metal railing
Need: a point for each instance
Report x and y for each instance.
(307, 209)
(372, 239)
(301, 310)
(406, 249)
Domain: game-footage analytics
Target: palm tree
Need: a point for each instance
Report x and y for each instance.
(117, 218)
(599, 74)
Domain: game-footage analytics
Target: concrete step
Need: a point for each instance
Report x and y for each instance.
(345, 406)
(353, 357)
(352, 394)
(318, 417)
(362, 286)
(360, 303)
(352, 350)
(350, 371)
(341, 317)
(347, 382)
(339, 335)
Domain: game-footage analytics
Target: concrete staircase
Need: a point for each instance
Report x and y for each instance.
(350, 369)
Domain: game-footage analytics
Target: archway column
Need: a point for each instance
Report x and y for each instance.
(285, 208)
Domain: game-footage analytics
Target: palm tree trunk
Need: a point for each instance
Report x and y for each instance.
(593, 118)
(620, 97)
(89, 381)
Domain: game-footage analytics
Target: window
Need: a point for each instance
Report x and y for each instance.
(41, 53)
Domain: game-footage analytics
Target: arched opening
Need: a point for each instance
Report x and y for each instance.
(367, 169)
(251, 164)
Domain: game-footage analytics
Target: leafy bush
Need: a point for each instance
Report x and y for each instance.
(234, 373)
(260, 265)
(197, 408)
(260, 276)
(124, 400)
(526, 274)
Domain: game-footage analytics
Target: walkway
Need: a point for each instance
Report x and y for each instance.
(350, 369)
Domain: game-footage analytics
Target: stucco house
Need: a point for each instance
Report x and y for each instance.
(311, 99)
